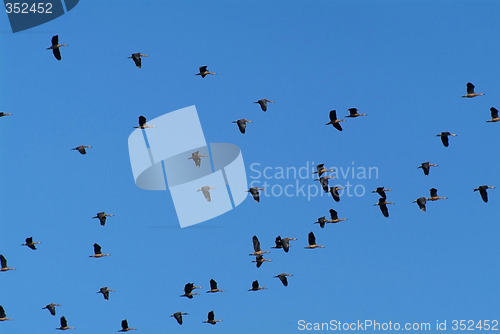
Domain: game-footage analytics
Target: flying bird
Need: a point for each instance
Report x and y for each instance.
(421, 203)
(444, 137)
(426, 167)
(204, 72)
(278, 242)
(263, 103)
(283, 278)
(211, 319)
(97, 252)
(353, 112)
(256, 246)
(188, 290)
(255, 193)
(55, 47)
(320, 169)
(125, 327)
(334, 217)
(64, 324)
(3, 316)
(105, 292)
(256, 287)
(206, 192)
(136, 57)
(81, 149)
(30, 243)
(142, 124)
(213, 287)
(434, 195)
(494, 115)
(285, 244)
(382, 203)
(3, 261)
(196, 156)
(335, 193)
(2, 114)
(102, 217)
(242, 124)
(178, 316)
(334, 121)
(259, 260)
(324, 182)
(51, 307)
(321, 221)
(381, 191)
(312, 242)
(483, 192)
(470, 91)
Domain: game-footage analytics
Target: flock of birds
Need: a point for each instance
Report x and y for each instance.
(280, 243)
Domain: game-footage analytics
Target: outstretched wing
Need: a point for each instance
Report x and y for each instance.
(57, 53)
(494, 112)
(256, 243)
(142, 121)
(211, 316)
(64, 323)
(333, 115)
(55, 40)
(213, 284)
(470, 88)
(333, 214)
(311, 239)
(97, 249)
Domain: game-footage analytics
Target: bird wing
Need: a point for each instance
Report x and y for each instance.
(434, 192)
(311, 239)
(203, 69)
(333, 115)
(3, 261)
(197, 161)
(29, 240)
(124, 324)
(2, 313)
(286, 245)
(142, 121)
(494, 112)
(213, 284)
(353, 111)
(97, 249)
(425, 168)
(384, 210)
(255, 285)
(242, 126)
(263, 104)
(188, 288)
(211, 315)
(444, 139)
(178, 317)
(256, 243)
(470, 88)
(136, 57)
(484, 194)
(64, 323)
(55, 40)
(333, 214)
(337, 126)
(52, 309)
(283, 280)
(57, 53)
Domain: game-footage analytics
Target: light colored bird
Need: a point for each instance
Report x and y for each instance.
(312, 242)
(213, 287)
(64, 325)
(259, 260)
(470, 91)
(242, 124)
(434, 195)
(483, 192)
(206, 192)
(335, 193)
(334, 121)
(97, 252)
(382, 203)
(178, 316)
(421, 201)
(55, 47)
(283, 278)
(125, 327)
(256, 287)
(211, 319)
(353, 112)
(136, 57)
(188, 290)
(255, 193)
(51, 307)
(102, 217)
(3, 316)
(196, 156)
(444, 137)
(204, 72)
(142, 124)
(81, 149)
(3, 261)
(105, 292)
(263, 103)
(30, 243)
(381, 191)
(2, 114)
(494, 115)
(426, 167)
(256, 246)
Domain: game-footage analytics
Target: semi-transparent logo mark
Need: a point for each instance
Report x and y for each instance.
(26, 14)
(205, 181)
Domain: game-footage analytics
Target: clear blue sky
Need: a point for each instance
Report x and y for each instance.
(404, 63)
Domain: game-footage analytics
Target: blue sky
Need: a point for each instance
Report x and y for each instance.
(405, 64)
